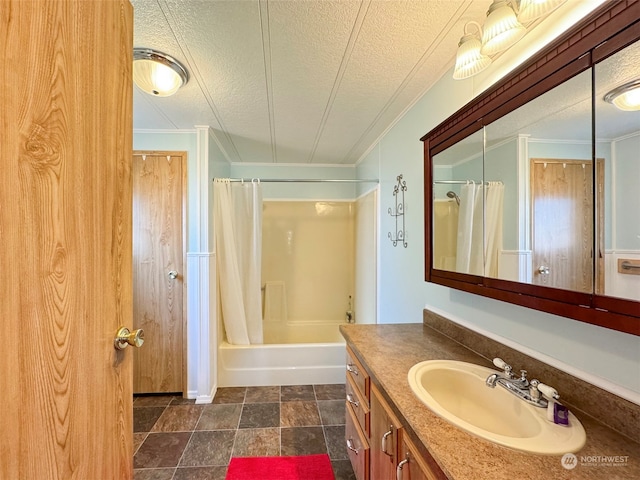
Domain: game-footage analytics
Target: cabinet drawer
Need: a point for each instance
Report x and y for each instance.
(358, 406)
(358, 375)
(357, 446)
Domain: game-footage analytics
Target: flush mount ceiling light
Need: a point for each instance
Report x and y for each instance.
(501, 28)
(157, 73)
(530, 10)
(625, 97)
(469, 60)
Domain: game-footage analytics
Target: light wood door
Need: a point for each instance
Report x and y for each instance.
(562, 229)
(385, 429)
(65, 236)
(158, 198)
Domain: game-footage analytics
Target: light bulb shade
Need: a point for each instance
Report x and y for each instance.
(626, 97)
(501, 28)
(469, 60)
(532, 9)
(157, 73)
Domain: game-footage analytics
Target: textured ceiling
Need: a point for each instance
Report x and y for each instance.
(318, 81)
(297, 81)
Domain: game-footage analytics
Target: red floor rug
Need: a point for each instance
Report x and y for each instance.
(309, 467)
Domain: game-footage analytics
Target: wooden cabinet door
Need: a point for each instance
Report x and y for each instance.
(412, 466)
(384, 438)
(65, 230)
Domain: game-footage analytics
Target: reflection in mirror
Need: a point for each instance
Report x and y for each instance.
(618, 134)
(457, 207)
(569, 164)
(541, 152)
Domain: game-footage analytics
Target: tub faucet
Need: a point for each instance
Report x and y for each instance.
(349, 313)
(350, 317)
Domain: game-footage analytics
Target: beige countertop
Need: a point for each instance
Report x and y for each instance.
(389, 351)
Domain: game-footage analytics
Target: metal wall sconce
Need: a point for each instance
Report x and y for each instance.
(398, 213)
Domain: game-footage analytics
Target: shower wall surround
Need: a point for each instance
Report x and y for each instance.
(309, 246)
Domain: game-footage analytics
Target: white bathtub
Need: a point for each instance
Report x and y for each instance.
(300, 353)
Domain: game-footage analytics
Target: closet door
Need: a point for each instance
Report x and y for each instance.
(562, 224)
(65, 236)
(158, 270)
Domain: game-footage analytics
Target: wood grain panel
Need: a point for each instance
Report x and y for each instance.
(415, 468)
(562, 223)
(383, 420)
(65, 230)
(158, 249)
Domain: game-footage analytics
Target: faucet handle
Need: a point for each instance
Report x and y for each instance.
(498, 362)
(549, 392)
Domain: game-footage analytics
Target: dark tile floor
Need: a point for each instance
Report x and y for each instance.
(174, 439)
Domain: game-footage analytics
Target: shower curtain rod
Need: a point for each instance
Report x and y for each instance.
(460, 182)
(301, 180)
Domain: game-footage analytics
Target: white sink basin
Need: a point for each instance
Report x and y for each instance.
(456, 391)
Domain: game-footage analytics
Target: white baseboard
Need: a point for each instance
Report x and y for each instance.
(204, 399)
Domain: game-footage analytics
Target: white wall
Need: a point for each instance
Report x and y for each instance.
(366, 261)
(608, 358)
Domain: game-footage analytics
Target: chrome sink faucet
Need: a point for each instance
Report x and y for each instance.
(532, 392)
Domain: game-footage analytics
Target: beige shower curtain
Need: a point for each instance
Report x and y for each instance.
(237, 223)
(480, 220)
(469, 252)
(493, 207)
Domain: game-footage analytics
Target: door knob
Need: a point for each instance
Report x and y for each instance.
(126, 337)
(543, 270)
(173, 274)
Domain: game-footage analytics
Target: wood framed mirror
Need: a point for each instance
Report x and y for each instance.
(529, 189)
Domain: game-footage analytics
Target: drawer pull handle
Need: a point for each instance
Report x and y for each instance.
(384, 441)
(353, 402)
(399, 468)
(351, 447)
(351, 368)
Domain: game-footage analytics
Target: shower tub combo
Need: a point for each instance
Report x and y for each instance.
(308, 272)
(299, 354)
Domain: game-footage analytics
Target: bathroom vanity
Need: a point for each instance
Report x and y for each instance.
(391, 434)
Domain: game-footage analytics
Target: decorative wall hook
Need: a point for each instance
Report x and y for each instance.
(398, 213)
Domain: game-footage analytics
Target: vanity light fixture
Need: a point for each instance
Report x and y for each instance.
(157, 73)
(469, 60)
(501, 28)
(626, 97)
(530, 10)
